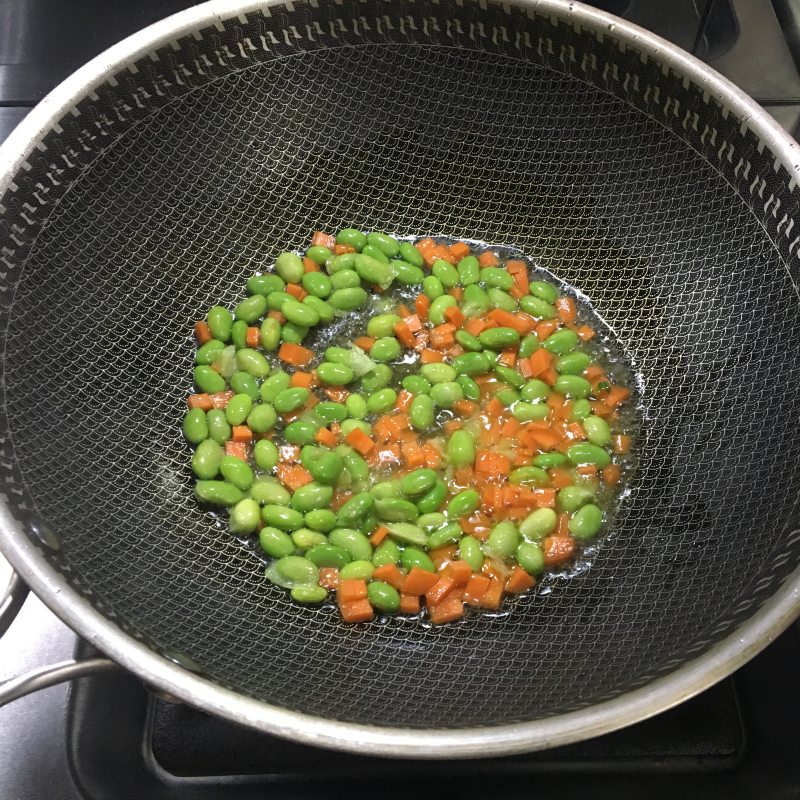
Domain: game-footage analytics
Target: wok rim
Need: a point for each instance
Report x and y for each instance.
(696, 675)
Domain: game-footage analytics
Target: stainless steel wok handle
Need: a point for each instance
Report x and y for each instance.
(11, 602)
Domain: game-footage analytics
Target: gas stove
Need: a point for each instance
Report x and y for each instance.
(108, 737)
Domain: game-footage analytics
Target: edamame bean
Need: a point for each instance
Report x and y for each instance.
(239, 334)
(206, 458)
(265, 284)
(269, 492)
(328, 555)
(355, 543)
(418, 482)
(528, 346)
(561, 342)
(355, 465)
(358, 570)
(348, 299)
(382, 325)
(306, 593)
(498, 338)
(464, 503)
(586, 522)
(270, 333)
(597, 430)
(387, 553)
(331, 412)
(446, 273)
(319, 254)
(407, 533)
(535, 390)
(251, 309)
(220, 323)
(588, 453)
(217, 493)
(290, 399)
(323, 309)
(381, 401)
(349, 425)
(571, 498)
(218, 428)
(432, 287)
(377, 378)
(276, 299)
(476, 301)
(497, 278)
(237, 472)
(383, 596)
(545, 291)
(238, 408)
(386, 489)
(209, 352)
(300, 314)
(438, 307)
(572, 385)
(356, 406)
(471, 364)
(301, 431)
(312, 496)
(207, 380)
(535, 475)
(432, 521)
(581, 409)
(294, 334)
(508, 375)
(244, 516)
(339, 263)
(290, 267)
(537, 307)
(446, 395)
(243, 383)
(469, 270)
(394, 509)
(410, 254)
(445, 535)
(351, 237)
(468, 341)
(387, 348)
(334, 374)
(354, 509)
(526, 412)
(374, 270)
(437, 372)
(530, 558)
(370, 251)
(406, 274)
(321, 519)
(414, 557)
(500, 299)
(471, 389)
(275, 543)
(253, 362)
(461, 449)
(503, 540)
(283, 517)
(265, 454)
(297, 570)
(388, 245)
(416, 384)
(433, 499)
(550, 460)
(538, 524)
(195, 426)
(508, 397)
(470, 550)
(304, 539)
(420, 412)
(573, 363)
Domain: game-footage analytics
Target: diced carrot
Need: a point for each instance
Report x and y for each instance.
(463, 476)
(442, 252)
(351, 589)
(310, 266)
(293, 476)
(323, 240)
(449, 609)
(488, 259)
(505, 319)
(452, 425)
(336, 393)
(475, 325)
(459, 571)
(508, 358)
(364, 342)
(549, 376)
(296, 290)
(442, 336)
(325, 437)
(360, 441)
(419, 581)
(252, 337)
(422, 305)
(585, 333)
(378, 535)
(404, 399)
(277, 316)
(524, 368)
(494, 408)
(202, 401)
(557, 549)
(343, 249)
(236, 449)
(475, 589)
(413, 454)
(404, 334)
(466, 408)
(389, 573)
(295, 355)
(519, 272)
(409, 604)
(241, 433)
(305, 380)
(560, 477)
(601, 409)
(459, 250)
(562, 525)
(519, 581)
(611, 474)
(328, 577)
(430, 356)
(454, 315)
(545, 328)
(356, 611)
(493, 596)
(202, 333)
(492, 463)
(587, 470)
(540, 361)
(432, 456)
(615, 396)
(565, 306)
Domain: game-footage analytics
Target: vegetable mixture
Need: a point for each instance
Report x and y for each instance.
(467, 442)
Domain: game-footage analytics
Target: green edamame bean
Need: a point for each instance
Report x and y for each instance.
(537, 307)
(304, 593)
(290, 399)
(239, 334)
(356, 406)
(348, 299)
(414, 557)
(355, 508)
(290, 267)
(387, 553)
(209, 352)
(195, 426)
(437, 372)
(265, 284)
(530, 558)
(597, 430)
(497, 278)
(294, 334)
(252, 362)
(387, 348)
(269, 333)
(324, 310)
(571, 498)
(469, 270)
(420, 412)
(503, 540)
(446, 273)
(349, 425)
(526, 412)
(339, 263)
(353, 542)
(464, 503)
(500, 299)
(535, 475)
(238, 408)
(433, 499)
(337, 355)
(543, 290)
(407, 274)
(430, 522)
(328, 555)
(262, 418)
(220, 323)
(471, 364)
(276, 299)
(355, 465)
(297, 569)
(304, 539)
(416, 384)
(275, 543)
(377, 378)
(418, 482)
(498, 338)
(549, 460)
(237, 472)
(535, 390)
(508, 375)
(269, 492)
(408, 534)
(283, 517)
(573, 363)
(331, 412)
(386, 489)
(446, 395)
(529, 345)
(383, 596)
(432, 287)
(301, 431)
(251, 309)
(312, 496)
(244, 516)
(373, 269)
(319, 254)
(581, 409)
(206, 458)
(476, 301)
(300, 314)
(334, 374)
(508, 397)
(321, 519)
(461, 449)
(265, 454)
(382, 325)
(572, 385)
(470, 550)
(357, 570)
(217, 493)
(471, 389)
(445, 535)
(468, 341)
(438, 307)
(410, 254)
(218, 428)
(395, 509)
(538, 524)
(243, 383)
(586, 522)
(351, 237)
(588, 453)
(381, 401)
(561, 342)
(388, 245)
(370, 251)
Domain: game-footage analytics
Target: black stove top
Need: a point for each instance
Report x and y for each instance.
(107, 738)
